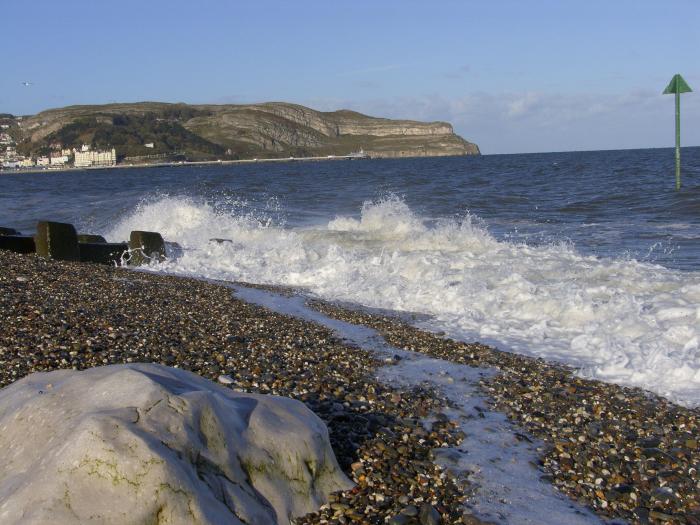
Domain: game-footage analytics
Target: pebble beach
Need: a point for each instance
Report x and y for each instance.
(628, 455)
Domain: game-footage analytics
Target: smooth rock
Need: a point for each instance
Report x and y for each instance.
(144, 443)
(173, 250)
(428, 515)
(225, 379)
(410, 510)
(399, 519)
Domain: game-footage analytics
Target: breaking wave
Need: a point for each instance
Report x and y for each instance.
(617, 320)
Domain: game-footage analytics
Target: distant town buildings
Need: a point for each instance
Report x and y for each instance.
(58, 159)
(85, 157)
(8, 151)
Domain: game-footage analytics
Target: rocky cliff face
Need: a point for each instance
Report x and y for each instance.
(276, 129)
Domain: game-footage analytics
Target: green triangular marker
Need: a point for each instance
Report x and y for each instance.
(677, 86)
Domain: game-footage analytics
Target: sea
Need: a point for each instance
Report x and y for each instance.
(586, 258)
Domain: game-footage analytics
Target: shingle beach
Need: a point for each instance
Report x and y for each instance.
(623, 452)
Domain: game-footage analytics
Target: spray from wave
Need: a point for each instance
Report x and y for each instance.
(617, 320)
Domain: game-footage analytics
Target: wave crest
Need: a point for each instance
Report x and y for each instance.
(618, 320)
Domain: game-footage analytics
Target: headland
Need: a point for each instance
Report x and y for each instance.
(154, 133)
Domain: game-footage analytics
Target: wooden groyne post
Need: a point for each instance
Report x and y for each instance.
(61, 242)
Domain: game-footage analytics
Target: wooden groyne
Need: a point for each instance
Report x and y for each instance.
(60, 241)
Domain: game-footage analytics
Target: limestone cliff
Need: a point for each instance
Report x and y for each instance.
(273, 129)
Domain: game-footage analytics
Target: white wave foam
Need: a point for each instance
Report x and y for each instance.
(618, 320)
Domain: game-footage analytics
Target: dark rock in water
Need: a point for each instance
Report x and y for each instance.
(102, 253)
(8, 231)
(220, 241)
(17, 243)
(173, 250)
(146, 247)
(88, 237)
(57, 240)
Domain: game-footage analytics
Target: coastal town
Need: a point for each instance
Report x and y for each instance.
(56, 157)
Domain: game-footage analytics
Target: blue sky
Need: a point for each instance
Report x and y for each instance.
(510, 75)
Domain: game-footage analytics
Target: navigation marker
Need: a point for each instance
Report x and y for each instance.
(677, 86)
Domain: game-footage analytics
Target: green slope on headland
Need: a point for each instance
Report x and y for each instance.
(268, 130)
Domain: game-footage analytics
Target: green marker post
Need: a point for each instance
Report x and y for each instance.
(677, 86)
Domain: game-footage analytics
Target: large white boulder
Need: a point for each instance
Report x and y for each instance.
(148, 444)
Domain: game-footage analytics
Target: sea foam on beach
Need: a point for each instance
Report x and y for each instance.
(615, 319)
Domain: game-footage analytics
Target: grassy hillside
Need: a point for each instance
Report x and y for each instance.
(235, 131)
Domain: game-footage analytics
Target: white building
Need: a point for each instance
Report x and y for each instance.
(43, 161)
(58, 160)
(10, 152)
(6, 139)
(149, 145)
(85, 159)
(26, 163)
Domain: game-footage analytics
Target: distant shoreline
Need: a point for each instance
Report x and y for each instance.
(17, 171)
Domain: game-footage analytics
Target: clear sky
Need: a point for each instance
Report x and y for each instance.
(510, 75)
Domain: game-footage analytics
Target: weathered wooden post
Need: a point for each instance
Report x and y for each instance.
(103, 252)
(88, 237)
(17, 243)
(146, 247)
(57, 240)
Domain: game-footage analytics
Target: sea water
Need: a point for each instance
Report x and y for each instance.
(590, 259)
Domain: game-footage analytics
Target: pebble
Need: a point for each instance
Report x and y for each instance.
(429, 516)
(73, 315)
(625, 453)
(226, 380)
(410, 510)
